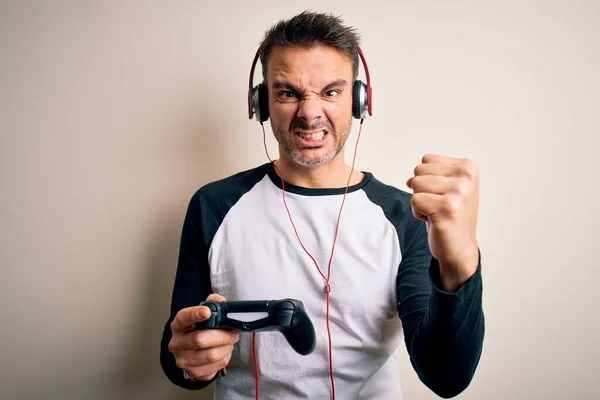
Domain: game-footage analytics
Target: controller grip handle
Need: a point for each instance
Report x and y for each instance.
(301, 335)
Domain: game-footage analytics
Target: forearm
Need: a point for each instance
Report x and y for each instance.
(445, 345)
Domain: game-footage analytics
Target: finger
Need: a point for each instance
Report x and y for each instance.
(432, 184)
(438, 169)
(201, 341)
(187, 317)
(466, 171)
(215, 297)
(209, 338)
(204, 339)
(440, 159)
(426, 204)
(420, 216)
(204, 357)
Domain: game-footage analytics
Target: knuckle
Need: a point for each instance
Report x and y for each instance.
(174, 323)
(178, 321)
(463, 170)
(462, 188)
(469, 168)
(172, 346)
(417, 183)
(212, 356)
(414, 200)
(418, 197)
(449, 204)
(180, 363)
(469, 163)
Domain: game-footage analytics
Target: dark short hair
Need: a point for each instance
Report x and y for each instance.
(309, 29)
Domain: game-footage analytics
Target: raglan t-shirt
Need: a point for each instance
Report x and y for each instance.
(385, 291)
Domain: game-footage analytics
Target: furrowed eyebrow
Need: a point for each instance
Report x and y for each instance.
(284, 85)
(329, 86)
(335, 84)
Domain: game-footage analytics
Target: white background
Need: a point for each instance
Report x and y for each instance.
(112, 113)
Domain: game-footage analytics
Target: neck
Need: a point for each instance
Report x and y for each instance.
(334, 174)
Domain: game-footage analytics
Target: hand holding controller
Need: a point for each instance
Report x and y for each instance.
(287, 316)
(200, 354)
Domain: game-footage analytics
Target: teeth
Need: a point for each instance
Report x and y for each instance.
(313, 136)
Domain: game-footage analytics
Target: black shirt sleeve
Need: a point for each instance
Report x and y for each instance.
(191, 286)
(443, 331)
(205, 213)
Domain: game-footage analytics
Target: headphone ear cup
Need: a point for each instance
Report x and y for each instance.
(259, 103)
(263, 102)
(360, 100)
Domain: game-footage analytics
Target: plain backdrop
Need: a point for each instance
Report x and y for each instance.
(112, 113)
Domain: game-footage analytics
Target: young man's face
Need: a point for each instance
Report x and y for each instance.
(310, 102)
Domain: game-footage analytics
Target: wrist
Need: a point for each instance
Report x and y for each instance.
(454, 274)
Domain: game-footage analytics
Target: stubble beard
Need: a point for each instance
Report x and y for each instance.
(286, 139)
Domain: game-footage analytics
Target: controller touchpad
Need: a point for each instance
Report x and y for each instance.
(247, 316)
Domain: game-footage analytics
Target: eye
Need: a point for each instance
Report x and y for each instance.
(287, 94)
(332, 93)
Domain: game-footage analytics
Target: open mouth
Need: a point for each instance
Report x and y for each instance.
(311, 138)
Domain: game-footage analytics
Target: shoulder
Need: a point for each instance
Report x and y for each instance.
(394, 201)
(230, 188)
(396, 206)
(211, 202)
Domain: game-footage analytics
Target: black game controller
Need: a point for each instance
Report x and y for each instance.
(286, 316)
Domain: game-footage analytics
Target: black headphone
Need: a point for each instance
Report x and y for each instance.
(258, 96)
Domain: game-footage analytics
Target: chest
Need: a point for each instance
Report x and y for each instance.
(259, 253)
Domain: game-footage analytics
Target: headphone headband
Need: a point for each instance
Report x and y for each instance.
(369, 91)
(250, 83)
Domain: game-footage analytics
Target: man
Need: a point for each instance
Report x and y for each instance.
(403, 266)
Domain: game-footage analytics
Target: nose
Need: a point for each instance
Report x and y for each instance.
(310, 109)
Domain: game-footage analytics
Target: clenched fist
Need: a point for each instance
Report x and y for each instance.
(200, 353)
(446, 197)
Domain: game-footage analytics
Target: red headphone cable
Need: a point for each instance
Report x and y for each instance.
(326, 278)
